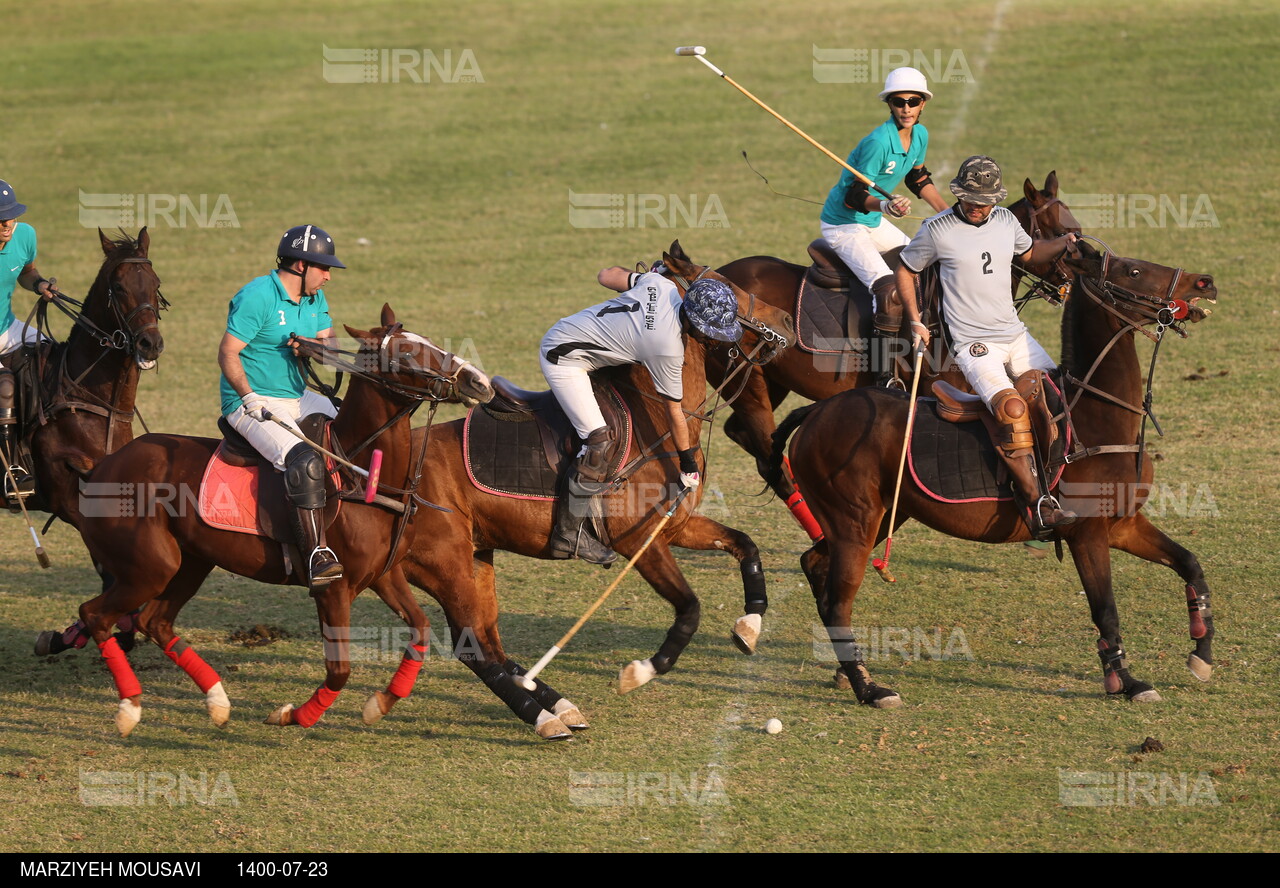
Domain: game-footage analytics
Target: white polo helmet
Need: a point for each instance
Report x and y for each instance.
(908, 80)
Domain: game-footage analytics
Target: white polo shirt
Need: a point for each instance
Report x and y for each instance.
(975, 264)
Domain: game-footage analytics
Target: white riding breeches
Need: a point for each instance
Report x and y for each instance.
(273, 442)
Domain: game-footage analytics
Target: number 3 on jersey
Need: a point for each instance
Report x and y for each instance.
(282, 320)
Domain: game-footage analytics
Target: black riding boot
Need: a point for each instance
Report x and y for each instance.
(571, 537)
(304, 484)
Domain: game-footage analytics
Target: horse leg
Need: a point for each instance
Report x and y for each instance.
(394, 590)
(1091, 553)
(703, 534)
(659, 568)
(51, 641)
(751, 425)
(333, 606)
(99, 615)
(845, 571)
(156, 622)
(1141, 538)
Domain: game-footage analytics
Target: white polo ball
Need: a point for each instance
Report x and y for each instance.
(773, 726)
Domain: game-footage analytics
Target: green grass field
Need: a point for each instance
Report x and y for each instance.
(463, 188)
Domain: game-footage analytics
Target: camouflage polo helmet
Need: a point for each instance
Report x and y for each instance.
(310, 244)
(978, 182)
(712, 309)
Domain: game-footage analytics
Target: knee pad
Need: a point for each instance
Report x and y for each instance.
(304, 477)
(888, 316)
(7, 388)
(1011, 413)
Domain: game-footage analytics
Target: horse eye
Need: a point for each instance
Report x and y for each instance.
(1135, 272)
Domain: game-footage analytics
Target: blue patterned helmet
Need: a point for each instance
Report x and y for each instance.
(712, 309)
(310, 244)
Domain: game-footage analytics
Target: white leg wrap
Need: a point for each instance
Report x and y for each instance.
(218, 704)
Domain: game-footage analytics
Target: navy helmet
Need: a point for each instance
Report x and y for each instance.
(712, 309)
(310, 244)
(9, 206)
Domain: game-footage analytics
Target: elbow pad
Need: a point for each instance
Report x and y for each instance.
(917, 179)
(855, 196)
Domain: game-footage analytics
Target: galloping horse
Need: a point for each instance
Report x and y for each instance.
(480, 522)
(776, 282)
(846, 454)
(162, 555)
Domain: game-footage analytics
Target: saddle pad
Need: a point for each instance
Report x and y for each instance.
(507, 456)
(822, 320)
(232, 498)
(956, 462)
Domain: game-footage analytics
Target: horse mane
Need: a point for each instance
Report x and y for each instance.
(1070, 315)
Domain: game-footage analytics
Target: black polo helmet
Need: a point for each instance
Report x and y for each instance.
(310, 244)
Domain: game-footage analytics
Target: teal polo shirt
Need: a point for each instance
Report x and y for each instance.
(880, 158)
(263, 317)
(16, 255)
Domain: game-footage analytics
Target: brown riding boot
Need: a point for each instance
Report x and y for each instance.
(887, 324)
(571, 536)
(1039, 510)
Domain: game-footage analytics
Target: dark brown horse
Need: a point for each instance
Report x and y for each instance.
(777, 281)
(846, 452)
(162, 554)
(480, 523)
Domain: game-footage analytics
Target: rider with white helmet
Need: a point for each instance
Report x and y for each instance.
(645, 324)
(852, 218)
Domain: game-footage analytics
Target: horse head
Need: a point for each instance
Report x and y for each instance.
(773, 327)
(125, 301)
(411, 364)
(1141, 292)
(1044, 216)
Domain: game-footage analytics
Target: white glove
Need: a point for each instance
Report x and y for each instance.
(255, 406)
(690, 479)
(898, 207)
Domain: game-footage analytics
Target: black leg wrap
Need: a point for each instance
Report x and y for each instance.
(517, 699)
(544, 693)
(753, 586)
(678, 637)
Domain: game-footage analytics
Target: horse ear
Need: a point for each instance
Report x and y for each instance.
(144, 241)
(357, 334)
(1088, 263)
(678, 251)
(1029, 191)
(1051, 184)
(388, 316)
(107, 244)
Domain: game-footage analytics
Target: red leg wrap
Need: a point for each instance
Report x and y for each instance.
(126, 682)
(310, 712)
(405, 677)
(800, 511)
(192, 664)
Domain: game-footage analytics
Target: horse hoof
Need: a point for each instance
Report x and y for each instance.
(128, 715)
(1147, 696)
(888, 701)
(635, 674)
(572, 718)
(218, 704)
(841, 679)
(378, 705)
(1199, 668)
(553, 729)
(48, 643)
(746, 632)
(282, 716)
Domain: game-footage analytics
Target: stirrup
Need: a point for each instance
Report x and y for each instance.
(326, 569)
(22, 485)
(583, 546)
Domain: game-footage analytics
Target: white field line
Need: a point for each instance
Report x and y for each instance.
(959, 118)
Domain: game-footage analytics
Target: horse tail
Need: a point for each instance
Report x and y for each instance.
(780, 436)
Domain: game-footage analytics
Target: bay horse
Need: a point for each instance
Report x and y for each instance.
(478, 523)
(160, 556)
(85, 388)
(776, 282)
(846, 451)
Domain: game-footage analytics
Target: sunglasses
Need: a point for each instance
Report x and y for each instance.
(910, 102)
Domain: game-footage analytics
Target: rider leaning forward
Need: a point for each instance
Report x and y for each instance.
(645, 324)
(261, 379)
(853, 217)
(974, 244)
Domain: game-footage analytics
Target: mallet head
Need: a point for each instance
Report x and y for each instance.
(691, 50)
(526, 682)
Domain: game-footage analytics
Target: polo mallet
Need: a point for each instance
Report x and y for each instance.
(35, 537)
(699, 53)
(882, 564)
(526, 681)
(375, 461)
